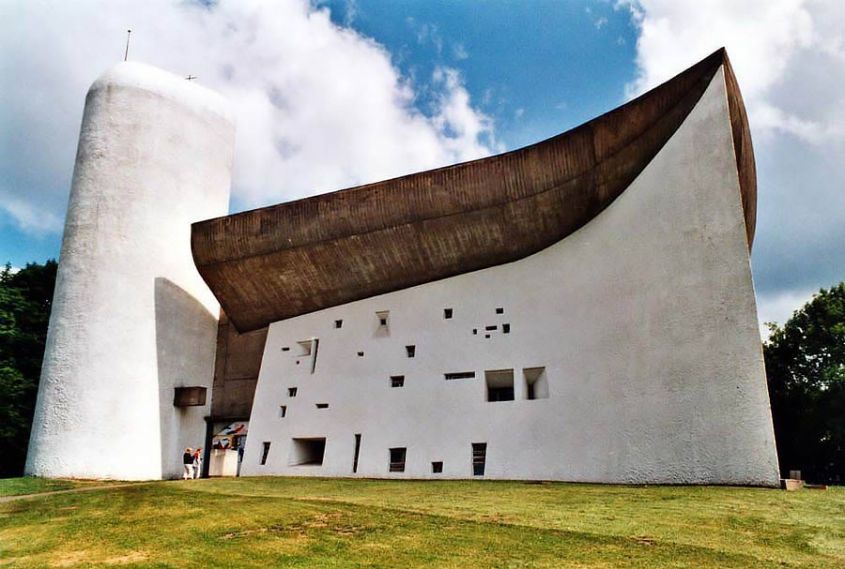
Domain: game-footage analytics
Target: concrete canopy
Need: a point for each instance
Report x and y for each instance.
(290, 259)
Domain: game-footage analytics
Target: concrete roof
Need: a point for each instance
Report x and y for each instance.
(285, 260)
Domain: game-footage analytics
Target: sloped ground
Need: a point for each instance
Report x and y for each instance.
(267, 522)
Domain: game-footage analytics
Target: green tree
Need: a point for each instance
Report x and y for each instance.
(25, 301)
(805, 365)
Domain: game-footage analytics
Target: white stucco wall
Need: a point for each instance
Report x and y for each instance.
(644, 319)
(131, 316)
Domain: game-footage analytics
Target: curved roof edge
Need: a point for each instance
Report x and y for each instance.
(285, 260)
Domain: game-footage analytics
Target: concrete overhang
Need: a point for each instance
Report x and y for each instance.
(282, 261)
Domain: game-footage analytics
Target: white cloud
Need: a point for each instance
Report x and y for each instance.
(778, 307)
(319, 107)
(789, 58)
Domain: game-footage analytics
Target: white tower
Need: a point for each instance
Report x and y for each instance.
(132, 320)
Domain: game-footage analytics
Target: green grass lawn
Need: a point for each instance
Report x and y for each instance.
(292, 522)
(30, 485)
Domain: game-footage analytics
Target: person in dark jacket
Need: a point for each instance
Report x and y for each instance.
(188, 463)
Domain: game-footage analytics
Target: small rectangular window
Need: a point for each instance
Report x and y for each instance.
(500, 310)
(338, 323)
(283, 410)
(383, 318)
(506, 328)
(459, 375)
(291, 391)
(479, 458)
(499, 384)
(305, 347)
(411, 351)
(397, 459)
(322, 405)
(357, 452)
(264, 452)
(285, 348)
(475, 331)
(447, 313)
(360, 354)
(397, 381)
(493, 327)
(437, 467)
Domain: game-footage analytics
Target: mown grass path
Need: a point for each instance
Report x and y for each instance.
(286, 522)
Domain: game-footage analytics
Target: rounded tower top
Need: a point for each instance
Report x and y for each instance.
(145, 77)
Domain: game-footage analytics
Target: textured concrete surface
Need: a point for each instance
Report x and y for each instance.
(131, 317)
(644, 320)
(293, 258)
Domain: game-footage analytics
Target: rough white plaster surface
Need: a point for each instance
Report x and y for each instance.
(644, 319)
(132, 319)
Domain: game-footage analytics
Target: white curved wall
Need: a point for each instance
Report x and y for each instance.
(131, 316)
(644, 319)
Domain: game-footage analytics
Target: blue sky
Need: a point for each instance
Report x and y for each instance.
(334, 93)
(537, 68)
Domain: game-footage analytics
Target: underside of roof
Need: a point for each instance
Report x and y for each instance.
(285, 260)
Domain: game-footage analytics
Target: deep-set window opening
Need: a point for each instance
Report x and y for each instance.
(499, 384)
(447, 313)
(283, 410)
(292, 391)
(357, 452)
(459, 375)
(383, 318)
(437, 467)
(411, 351)
(264, 452)
(397, 459)
(307, 452)
(397, 381)
(479, 458)
(322, 405)
(536, 383)
(338, 323)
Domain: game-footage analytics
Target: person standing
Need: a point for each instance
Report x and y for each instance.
(188, 463)
(197, 462)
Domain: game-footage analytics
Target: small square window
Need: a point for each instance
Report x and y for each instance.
(500, 310)
(447, 313)
(383, 318)
(360, 354)
(475, 331)
(397, 381)
(411, 351)
(338, 323)
(437, 467)
(283, 410)
(291, 391)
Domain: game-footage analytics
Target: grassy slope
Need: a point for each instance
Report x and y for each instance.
(343, 523)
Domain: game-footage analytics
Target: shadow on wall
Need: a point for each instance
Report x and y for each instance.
(186, 336)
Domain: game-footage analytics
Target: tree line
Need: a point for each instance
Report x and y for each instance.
(805, 368)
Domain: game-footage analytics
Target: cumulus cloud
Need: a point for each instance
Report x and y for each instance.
(789, 58)
(319, 107)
